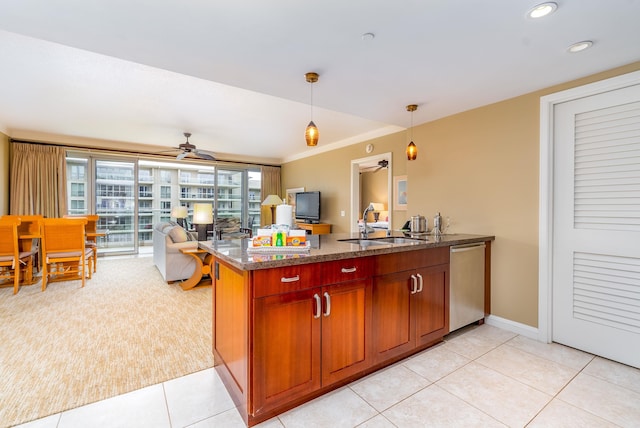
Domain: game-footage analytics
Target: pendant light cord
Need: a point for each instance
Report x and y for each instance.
(411, 125)
(311, 106)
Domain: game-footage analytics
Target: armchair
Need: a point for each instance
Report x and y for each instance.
(168, 240)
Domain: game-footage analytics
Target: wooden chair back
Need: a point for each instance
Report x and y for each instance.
(92, 221)
(63, 235)
(91, 240)
(29, 224)
(63, 244)
(9, 251)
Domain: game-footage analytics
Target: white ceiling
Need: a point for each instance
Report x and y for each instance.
(232, 72)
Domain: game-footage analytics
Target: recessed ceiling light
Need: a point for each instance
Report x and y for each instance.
(368, 36)
(580, 46)
(543, 9)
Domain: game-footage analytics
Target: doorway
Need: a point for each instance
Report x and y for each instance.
(369, 165)
(589, 279)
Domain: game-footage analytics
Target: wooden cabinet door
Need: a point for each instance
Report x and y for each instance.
(286, 348)
(392, 329)
(431, 304)
(346, 325)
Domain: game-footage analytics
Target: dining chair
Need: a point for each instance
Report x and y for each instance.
(91, 234)
(64, 254)
(11, 258)
(29, 236)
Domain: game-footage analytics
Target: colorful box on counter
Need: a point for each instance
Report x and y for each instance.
(270, 238)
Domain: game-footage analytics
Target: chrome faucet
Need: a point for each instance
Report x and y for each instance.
(366, 229)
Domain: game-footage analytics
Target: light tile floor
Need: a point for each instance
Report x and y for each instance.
(480, 376)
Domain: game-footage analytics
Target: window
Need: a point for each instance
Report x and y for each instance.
(77, 172)
(165, 192)
(77, 190)
(131, 196)
(145, 175)
(77, 205)
(165, 176)
(145, 192)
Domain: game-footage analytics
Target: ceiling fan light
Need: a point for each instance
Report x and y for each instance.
(412, 151)
(311, 134)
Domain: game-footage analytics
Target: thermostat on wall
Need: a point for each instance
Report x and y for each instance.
(369, 148)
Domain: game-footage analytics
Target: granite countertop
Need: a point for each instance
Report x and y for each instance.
(329, 247)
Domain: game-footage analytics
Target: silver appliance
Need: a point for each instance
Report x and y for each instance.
(418, 224)
(466, 285)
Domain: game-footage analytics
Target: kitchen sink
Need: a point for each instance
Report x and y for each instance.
(397, 240)
(365, 242)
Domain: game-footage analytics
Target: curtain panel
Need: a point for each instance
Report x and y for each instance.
(271, 185)
(38, 180)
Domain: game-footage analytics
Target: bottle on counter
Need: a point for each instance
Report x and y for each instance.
(437, 223)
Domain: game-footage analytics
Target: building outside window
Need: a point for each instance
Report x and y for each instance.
(132, 196)
(165, 192)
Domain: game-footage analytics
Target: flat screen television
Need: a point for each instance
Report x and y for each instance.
(308, 207)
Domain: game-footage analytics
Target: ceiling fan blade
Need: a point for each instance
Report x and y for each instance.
(204, 155)
(181, 156)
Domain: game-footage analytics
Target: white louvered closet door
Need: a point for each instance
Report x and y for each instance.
(596, 227)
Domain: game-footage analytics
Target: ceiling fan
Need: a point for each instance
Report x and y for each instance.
(381, 165)
(189, 149)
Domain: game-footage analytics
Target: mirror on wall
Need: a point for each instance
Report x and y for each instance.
(371, 181)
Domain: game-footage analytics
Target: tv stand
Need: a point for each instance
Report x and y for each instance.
(315, 228)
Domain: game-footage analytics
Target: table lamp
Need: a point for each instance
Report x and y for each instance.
(273, 201)
(179, 213)
(202, 216)
(377, 207)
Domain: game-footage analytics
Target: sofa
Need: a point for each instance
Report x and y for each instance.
(168, 239)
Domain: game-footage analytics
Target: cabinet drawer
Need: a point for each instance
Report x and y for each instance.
(267, 282)
(399, 262)
(346, 270)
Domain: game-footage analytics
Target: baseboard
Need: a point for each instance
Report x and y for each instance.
(512, 326)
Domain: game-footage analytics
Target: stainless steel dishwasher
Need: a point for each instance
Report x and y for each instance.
(466, 285)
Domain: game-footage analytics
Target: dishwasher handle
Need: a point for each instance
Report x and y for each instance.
(464, 248)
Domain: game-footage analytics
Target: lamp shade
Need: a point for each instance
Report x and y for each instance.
(311, 134)
(272, 200)
(202, 213)
(377, 206)
(412, 151)
(179, 212)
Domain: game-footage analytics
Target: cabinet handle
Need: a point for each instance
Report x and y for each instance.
(421, 281)
(327, 309)
(349, 270)
(316, 312)
(292, 279)
(414, 284)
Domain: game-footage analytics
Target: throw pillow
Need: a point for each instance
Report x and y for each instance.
(178, 234)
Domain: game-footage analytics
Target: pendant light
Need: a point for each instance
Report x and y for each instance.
(311, 134)
(412, 150)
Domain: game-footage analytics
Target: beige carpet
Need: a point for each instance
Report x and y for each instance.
(69, 346)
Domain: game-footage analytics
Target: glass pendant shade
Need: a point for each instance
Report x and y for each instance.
(412, 151)
(311, 134)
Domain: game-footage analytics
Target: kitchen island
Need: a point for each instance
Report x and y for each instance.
(290, 327)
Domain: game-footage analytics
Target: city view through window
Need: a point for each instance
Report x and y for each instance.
(131, 196)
